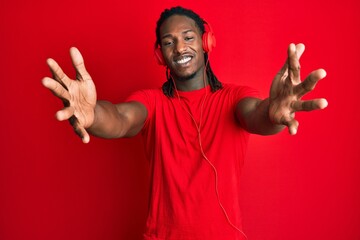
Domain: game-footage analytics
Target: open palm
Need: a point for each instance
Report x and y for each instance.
(287, 89)
(78, 95)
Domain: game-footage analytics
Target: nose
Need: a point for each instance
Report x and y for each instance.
(180, 46)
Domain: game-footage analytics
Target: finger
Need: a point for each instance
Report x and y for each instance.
(79, 130)
(309, 83)
(58, 73)
(310, 105)
(290, 122)
(56, 88)
(294, 64)
(78, 62)
(300, 48)
(65, 113)
(293, 126)
(279, 79)
(294, 52)
(86, 138)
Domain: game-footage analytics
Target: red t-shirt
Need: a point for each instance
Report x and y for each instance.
(184, 204)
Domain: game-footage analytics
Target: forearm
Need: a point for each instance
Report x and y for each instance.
(254, 117)
(108, 122)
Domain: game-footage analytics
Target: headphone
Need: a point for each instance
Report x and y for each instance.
(208, 43)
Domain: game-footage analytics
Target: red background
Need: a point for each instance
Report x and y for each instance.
(295, 187)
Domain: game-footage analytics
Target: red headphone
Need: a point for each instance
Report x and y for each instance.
(208, 43)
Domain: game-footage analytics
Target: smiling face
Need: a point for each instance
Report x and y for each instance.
(181, 46)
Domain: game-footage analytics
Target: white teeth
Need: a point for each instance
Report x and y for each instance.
(183, 60)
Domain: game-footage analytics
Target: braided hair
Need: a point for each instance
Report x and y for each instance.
(168, 86)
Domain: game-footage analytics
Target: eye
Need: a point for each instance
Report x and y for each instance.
(189, 38)
(167, 43)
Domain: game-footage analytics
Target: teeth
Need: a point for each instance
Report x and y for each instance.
(184, 60)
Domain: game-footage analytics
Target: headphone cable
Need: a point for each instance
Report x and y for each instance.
(198, 128)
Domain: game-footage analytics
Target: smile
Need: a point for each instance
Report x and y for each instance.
(183, 60)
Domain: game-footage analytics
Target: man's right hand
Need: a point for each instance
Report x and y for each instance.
(78, 96)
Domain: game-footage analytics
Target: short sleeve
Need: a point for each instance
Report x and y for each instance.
(147, 98)
(238, 93)
(143, 97)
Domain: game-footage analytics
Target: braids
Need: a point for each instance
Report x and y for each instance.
(214, 83)
(168, 86)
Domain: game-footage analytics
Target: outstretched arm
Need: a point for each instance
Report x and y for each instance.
(118, 120)
(271, 115)
(84, 112)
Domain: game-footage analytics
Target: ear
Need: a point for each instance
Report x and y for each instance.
(159, 58)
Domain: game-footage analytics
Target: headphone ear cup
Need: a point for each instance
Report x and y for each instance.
(209, 41)
(159, 58)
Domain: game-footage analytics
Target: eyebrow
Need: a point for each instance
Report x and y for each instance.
(184, 32)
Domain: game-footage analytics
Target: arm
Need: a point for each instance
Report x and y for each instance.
(253, 115)
(84, 112)
(120, 120)
(271, 115)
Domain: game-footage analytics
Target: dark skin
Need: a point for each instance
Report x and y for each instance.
(181, 40)
(181, 46)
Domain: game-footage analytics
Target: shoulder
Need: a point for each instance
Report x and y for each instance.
(238, 91)
(145, 94)
(150, 98)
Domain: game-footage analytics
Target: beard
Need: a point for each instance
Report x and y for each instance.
(184, 77)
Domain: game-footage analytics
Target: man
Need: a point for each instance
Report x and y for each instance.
(195, 128)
